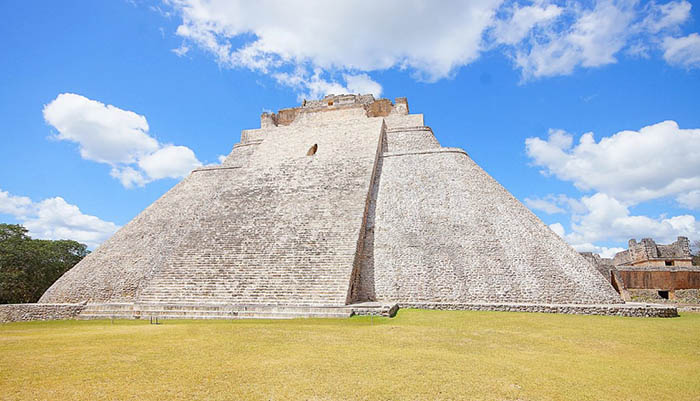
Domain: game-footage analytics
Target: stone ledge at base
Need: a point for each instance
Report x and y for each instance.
(29, 312)
(629, 309)
(231, 311)
(374, 309)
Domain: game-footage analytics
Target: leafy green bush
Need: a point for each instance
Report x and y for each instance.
(29, 266)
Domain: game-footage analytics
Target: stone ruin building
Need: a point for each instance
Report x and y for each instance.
(343, 205)
(648, 253)
(651, 271)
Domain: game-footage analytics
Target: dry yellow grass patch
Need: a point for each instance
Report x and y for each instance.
(417, 355)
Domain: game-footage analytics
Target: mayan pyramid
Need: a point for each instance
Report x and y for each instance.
(342, 200)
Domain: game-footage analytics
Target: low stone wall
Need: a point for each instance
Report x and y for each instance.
(672, 278)
(386, 310)
(28, 312)
(628, 309)
(691, 296)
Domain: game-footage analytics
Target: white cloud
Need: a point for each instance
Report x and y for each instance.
(657, 161)
(314, 86)
(319, 41)
(128, 176)
(553, 204)
(690, 200)
(169, 162)
(105, 133)
(364, 36)
(521, 20)
(14, 205)
(683, 51)
(543, 205)
(627, 168)
(591, 41)
(665, 16)
(560, 39)
(606, 218)
(606, 252)
(181, 51)
(54, 218)
(603, 251)
(558, 229)
(362, 84)
(119, 138)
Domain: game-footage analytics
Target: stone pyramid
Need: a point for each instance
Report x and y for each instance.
(342, 200)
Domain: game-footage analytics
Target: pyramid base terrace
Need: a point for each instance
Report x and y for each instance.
(231, 311)
(629, 309)
(31, 312)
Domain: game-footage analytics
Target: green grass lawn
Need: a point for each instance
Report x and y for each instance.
(417, 355)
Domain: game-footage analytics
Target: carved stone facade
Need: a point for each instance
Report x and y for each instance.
(648, 253)
(342, 200)
(648, 270)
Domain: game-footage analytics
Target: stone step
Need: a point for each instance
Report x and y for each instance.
(291, 315)
(290, 298)
(212, 311)
(226, 298)
(97, 316)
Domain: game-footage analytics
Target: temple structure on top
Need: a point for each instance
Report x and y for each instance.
(337, 202)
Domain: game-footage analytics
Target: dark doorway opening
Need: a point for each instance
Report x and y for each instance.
(312, 150)
(663, 294)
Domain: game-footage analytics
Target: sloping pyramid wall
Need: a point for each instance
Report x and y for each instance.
(441, 230)
(380, 212)
(124, 264)
(272, 226)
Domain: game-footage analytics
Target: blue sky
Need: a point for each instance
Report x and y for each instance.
(106, 105)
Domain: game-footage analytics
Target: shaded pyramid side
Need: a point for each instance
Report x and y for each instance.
(443, 230)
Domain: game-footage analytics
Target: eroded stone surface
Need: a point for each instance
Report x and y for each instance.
(378, 212)
(29, 312)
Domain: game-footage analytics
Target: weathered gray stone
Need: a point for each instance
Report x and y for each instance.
(649, 253)
(626, 310)
(340, 201)
(29, 312)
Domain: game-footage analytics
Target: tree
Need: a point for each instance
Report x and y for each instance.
(29, 266)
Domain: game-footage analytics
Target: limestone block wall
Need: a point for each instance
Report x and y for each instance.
(401, 139)
(340, 200)
(240, 155)
(284, 230)
(648, 253)
(118, 269)
(627, 310)
(30, 312)
(398, 120)
(666, 279)
(678, 249)
(445, 231)
(603, 265)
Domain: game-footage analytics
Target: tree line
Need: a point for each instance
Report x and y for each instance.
(29, 266)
